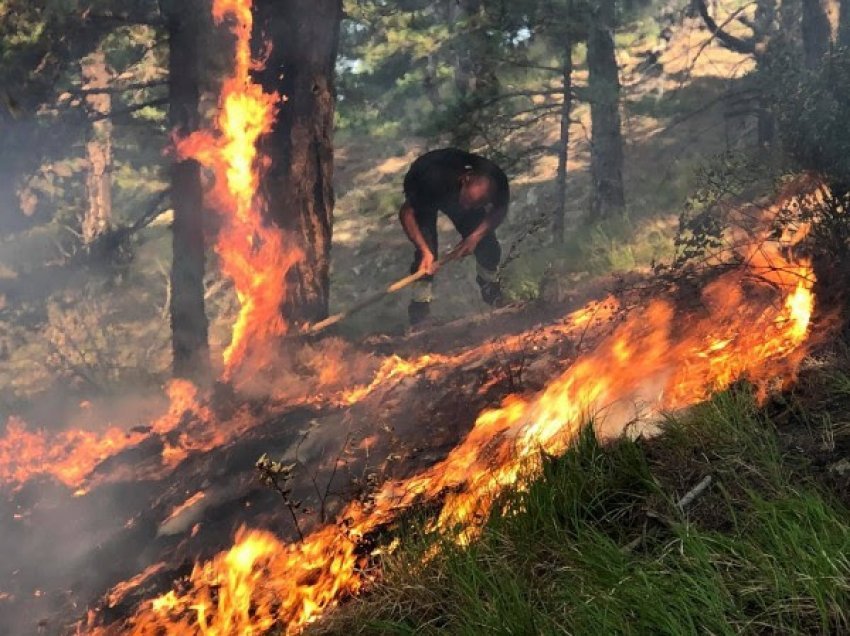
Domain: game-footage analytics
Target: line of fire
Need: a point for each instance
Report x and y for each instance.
(305, 301)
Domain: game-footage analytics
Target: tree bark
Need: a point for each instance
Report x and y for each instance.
(818, 22)
(607, 197)
(98, 216)
(189, 325)
(299, 184)
(469, 55)
(844, 23)
(564, 144)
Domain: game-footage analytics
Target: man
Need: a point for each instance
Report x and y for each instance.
(474, 193)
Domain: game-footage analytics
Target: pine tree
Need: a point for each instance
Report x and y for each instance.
(304, 36)
(189, 326)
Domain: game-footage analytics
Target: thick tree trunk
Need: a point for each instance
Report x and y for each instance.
(564, 144)
(189, 325)
(98, 216)
(304, 36)
(819, 24)
(607, 197)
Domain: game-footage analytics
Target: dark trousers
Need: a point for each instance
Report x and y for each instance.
(488, 253)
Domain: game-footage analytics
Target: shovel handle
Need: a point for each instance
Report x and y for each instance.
(370, 300)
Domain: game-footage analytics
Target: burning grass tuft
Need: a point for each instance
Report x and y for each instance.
(599, 541)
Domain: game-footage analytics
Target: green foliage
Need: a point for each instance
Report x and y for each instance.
(596, 543)
(812, 107)
(467, 73)
(704, 224)
(613, 246)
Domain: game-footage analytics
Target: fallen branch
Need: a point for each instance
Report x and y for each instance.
(693, 493)
(681, 506)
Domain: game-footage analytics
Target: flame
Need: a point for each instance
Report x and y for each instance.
(657, 360)
(71, 456)
(254, 254)
(189, 503)
(392, 368)
(239, 592)
(120, 591)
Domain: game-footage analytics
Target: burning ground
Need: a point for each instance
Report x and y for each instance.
(443, 431)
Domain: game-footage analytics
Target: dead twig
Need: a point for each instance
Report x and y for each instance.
(278, 475)
(693, 493)
(681, 506)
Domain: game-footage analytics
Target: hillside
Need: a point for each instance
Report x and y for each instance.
(650, 437)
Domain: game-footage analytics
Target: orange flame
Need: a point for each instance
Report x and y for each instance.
(655, 359)
(390, 369)
(253, 254)
(120, 591)
(71, 456)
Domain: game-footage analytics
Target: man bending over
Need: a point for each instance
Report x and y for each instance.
(474, 193)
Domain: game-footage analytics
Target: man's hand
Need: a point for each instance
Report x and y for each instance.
(428, 264)
(466, 247)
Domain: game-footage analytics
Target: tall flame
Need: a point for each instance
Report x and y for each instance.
(254, 254)
(658, 359)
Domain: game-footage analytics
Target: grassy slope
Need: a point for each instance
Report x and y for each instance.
(597, 545)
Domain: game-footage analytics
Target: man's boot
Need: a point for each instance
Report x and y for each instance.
(491, 288)
(419, 309)
(491, 293)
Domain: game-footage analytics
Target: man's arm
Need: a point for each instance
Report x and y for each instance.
(407, 217)
(493, 218)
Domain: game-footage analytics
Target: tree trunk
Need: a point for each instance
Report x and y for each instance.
(844, 23)
(469, 59)
(98, 216)
(819, 20)
(299, 183)
(607, 198)
(189, 325)
(564, 145)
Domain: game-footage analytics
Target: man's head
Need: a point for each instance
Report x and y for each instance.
(476, 190)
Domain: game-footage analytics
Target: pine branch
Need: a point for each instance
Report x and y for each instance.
(112, 90)
(163, 101)
(747, 47)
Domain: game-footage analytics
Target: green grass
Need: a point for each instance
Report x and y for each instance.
(595, 543)
(619, 245)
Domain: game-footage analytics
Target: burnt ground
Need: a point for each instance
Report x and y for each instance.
(62, 553)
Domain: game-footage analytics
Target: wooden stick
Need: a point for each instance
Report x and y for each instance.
(695, 492)
(682, 505)
(313, 329)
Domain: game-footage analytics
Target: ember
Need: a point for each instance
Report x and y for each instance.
(117, 594)
(392, 367)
